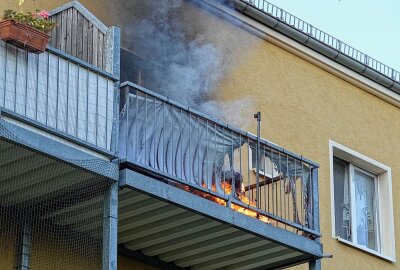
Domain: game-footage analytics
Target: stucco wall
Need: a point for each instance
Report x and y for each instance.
(7, 250)
(303, 108)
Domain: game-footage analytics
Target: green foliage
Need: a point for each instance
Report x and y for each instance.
(38, 19)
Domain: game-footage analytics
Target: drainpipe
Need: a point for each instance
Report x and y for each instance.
(258, 117)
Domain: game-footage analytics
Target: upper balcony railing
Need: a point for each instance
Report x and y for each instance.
(218, 162)
(323, 37)
(60, 94)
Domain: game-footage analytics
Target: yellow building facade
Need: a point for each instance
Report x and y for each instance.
(306, 100)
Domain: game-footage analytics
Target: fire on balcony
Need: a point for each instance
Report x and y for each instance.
(216, 161)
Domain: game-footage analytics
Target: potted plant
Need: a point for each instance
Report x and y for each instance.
(26, 30)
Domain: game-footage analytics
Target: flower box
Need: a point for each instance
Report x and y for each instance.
(23, 36)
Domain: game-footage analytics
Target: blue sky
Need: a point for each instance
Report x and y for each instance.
(372, 27)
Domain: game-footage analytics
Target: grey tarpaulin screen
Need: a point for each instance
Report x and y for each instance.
(174, 141)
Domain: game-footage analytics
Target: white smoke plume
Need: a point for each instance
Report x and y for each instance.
(190, 67)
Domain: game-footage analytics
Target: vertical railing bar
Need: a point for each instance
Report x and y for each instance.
(57, 92)
(302, 194)
(207, 161)
(172, 139)
(47, 86)
(127, 104)
(37, 88)
(248, 169)
(87, 104)
(272, 181)
(15, 81)
(5, 74)
(190, 147)
(198, 152)
(233, 183)
(181, 142)
(154, 133)
(163, 138)
(215, 154)
(280, 186)
(26, 82)
(106, 111)
(240, 160)
(77, 99)
(97, 108)
(145, 130)
(289, 187)
(277, 205)
(266, 192)
(137, 127)
(223, 169)
(66, 128)
(295, 212)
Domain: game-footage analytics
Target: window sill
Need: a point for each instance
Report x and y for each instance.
(370, 251)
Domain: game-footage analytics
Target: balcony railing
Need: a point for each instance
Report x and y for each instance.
(59, 93)
(324, 37)
(218, 162)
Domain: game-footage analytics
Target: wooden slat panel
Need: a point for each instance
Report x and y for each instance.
(53, 39)
(78, 36)
(95, 45)
(85, 40)
(69, 22)
(100, 51)
(74, 32)
(63, 29)
(90, 43)
(79, 39)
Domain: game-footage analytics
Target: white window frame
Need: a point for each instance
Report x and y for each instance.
(383, 185)
(353, 218)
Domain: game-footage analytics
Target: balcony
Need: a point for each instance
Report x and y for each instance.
(195, 196)
(59, 94)
(58, 126)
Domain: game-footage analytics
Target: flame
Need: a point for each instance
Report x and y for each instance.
(236, 207)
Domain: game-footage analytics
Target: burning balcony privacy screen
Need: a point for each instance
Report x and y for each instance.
(215, 161)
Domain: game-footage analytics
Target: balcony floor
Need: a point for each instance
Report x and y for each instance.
(159, 220)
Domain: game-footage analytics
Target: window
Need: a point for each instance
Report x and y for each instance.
(356, 205)
(362, 202)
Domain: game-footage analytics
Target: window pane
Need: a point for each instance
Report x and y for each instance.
(342, 199)
(365, 210)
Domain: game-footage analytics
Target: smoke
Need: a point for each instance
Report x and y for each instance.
(187, 67)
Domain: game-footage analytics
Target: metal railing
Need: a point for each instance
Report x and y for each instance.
(217, 161)
(60, 94)
(323, 37)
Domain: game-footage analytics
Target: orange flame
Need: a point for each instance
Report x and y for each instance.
(228, 190)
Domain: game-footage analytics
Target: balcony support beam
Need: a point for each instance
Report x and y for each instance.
(110, 229)
(23, 250)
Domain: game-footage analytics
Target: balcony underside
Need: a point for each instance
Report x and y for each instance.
(159, 220)
(47, 176)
